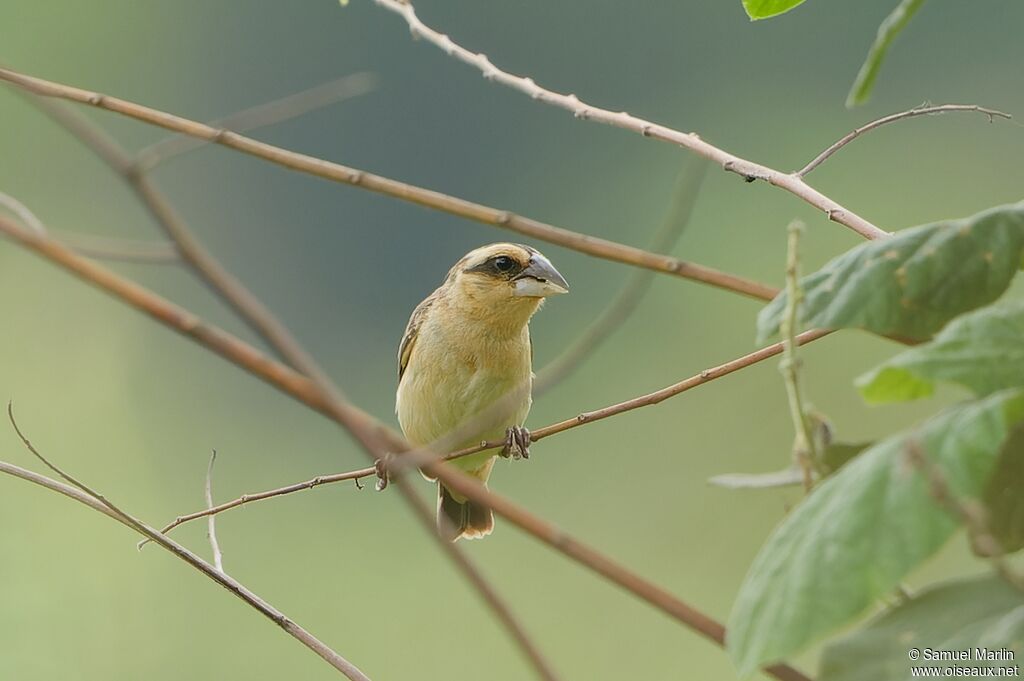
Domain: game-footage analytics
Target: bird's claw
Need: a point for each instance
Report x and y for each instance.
(517, 443)
(381, 468)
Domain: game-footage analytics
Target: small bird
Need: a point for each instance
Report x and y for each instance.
(465, 368)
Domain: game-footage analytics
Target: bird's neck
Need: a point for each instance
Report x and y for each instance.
(501, 322)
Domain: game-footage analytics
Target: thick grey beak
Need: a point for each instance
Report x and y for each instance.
(540, 279)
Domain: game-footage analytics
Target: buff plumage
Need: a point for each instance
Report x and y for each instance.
(465, 365)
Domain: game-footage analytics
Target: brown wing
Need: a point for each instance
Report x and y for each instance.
(412, 331)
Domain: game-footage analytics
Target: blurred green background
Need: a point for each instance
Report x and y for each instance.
(134, 410)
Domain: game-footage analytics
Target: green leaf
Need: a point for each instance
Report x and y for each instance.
(983, 351)
(1004, 497)
(763, 9)
(853, 539)
(912, 283)
(961, 615)
(887, 32)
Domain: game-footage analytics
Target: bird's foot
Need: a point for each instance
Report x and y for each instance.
(381, 468)
(517, 443)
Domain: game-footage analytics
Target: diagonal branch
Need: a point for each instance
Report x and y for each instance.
(84, 495)
(369, 431)
(216, 277)
(96, 246)
(584, 243)
(748, 170)
(263, 115)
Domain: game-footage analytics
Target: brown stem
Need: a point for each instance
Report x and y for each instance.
(584, 243)
(748, 170)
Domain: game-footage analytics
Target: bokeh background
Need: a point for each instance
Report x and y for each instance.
(134, 410)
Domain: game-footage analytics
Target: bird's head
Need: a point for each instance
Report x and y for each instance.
(507, 279)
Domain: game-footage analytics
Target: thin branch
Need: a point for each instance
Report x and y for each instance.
(619, 310)
(584, 243)
(302, 389)
(923, 110)
(417, 457)
(91, 245)
(107, 248)
(252, 311)
(971, 514)
(22, 212)
(266, 114)
(805, 445)
(211, 526)
(85, 495)
(748, 170)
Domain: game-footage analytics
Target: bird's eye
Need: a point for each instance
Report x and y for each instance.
(503, 263)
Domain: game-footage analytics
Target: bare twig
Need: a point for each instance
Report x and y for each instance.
(923, 110)
(805, 445)
(584, 243)
(971, 514)
(639, 283)
(216, 277)
(211, 526)
(418, 457)
(748, 170)
(266, 114)
(85, 495)
(91, 245)
(368, 429)
(107, 248)
(22, 212)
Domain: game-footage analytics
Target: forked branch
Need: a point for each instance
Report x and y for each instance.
(748, 170)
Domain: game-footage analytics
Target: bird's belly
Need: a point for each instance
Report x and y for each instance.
(442, 394)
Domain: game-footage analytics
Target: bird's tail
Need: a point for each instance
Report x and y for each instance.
(464, 518)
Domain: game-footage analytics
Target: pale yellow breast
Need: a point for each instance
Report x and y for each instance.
(455, 373)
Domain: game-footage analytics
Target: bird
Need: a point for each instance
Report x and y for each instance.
(465, 368)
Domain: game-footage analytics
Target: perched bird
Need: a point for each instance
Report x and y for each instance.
(465, 367)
